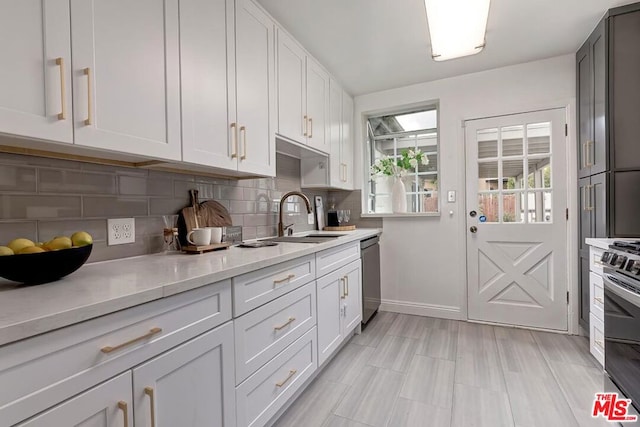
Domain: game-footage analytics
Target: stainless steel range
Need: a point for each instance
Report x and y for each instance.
(622, 317)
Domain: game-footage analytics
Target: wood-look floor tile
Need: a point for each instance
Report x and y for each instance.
(348, 363)
(408, 326)
(473, 406)
(375, 330)
(519, 352)
(561, 348)
(410, 413)
(394, 353)
(475, 337)
(314, 406)
(430, 381)
(579, 385)
(478, 362)
(336, 421)
(371, 398)
(537, 401)
(439, 343)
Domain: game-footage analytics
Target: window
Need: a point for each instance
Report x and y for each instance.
(388, 137)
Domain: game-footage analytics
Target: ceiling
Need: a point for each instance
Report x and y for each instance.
(372, 45)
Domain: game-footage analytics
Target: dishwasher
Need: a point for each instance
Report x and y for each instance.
(370, 254)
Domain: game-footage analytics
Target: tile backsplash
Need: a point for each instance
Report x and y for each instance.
(42, 198)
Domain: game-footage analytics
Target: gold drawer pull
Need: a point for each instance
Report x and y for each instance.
(234, 140)
(598, 299)
(109, 349)
(344, 289)
(291, 374)
(286, 279)
(310, 127)
(306, 124)
(346, 281)
(122, 405)
(152, 404)
(89, 120)
(600, 344)
(63, 99)
(243, 135)
(287, 323)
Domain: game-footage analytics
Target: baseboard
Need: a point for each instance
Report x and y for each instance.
(419, 309)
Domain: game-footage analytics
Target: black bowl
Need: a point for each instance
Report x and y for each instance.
(43, 267)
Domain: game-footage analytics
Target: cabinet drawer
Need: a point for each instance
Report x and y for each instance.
(265, 392)
(253, 289)
(595, 259)
(334, 258)
(48, 368)
(596, 338)
(597, 295)
(266, 331)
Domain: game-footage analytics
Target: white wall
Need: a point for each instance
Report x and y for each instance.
(424, 259)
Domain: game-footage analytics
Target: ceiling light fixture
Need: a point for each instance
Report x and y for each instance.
(457, 27)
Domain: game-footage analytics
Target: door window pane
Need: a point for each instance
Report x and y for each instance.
(539, 171)
(488, 206)
(539, 206)
(512, 141)
(539, 138)
(513, 207)
(487, 176)
(512, 173)
(487, 143)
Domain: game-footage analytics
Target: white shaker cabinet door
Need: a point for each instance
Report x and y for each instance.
(191, 385)
(352, 302)
(317, 106)
(255, 89)
(35, 77)
(209, 130)
(347, 145)
(292, 91)
(329, 300)
(106, 405)
(336, 175)
(126, 76)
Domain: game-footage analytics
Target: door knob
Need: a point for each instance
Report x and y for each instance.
(473, 229)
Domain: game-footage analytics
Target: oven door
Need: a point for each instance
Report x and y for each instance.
(622, 333)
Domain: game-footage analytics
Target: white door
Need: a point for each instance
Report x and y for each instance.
(346, 148)
(336, 175)
(292, 90)
(317, 106)
(329, 300)
(191, 385)
(352, 301)
(206, 46)
(255, 89)
(106, 405)
(35, 76)
(126, 75)
(516, 225)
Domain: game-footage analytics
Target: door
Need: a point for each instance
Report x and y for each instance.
(191, 385)
(126, 76)
(516, 226)
(585, 116)
(329, 300)
(292, 90)
(206, 47)
(35, 77)
(255, 94)
(352, 301)
(597, 150)
(346, 148)
(106, 405)
(317, 106)
(336, 175)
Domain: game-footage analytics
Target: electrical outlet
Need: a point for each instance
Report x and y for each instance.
(121, 231)
(310, 219)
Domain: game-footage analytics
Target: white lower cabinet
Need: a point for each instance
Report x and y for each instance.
(106, 405)
(596, 338)
(339, 307)
(191, 385)
(596, 305)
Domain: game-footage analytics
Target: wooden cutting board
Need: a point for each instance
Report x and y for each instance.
(214, 214)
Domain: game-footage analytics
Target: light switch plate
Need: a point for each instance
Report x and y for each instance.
(310, 219)
(121, 231)
(451, 196)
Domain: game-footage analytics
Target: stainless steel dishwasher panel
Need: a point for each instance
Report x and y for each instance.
(370, 254)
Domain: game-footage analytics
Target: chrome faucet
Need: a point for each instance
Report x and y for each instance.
(281, 226)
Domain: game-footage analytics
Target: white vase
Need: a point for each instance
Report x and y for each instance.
(398, 196)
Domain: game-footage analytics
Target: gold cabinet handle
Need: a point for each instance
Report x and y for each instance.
(243, 135)
(122, 405)
(63, 90)
(286, 279)
(284, 381)
(598, 299)
(599, 344)
(89, 120)
(587, 198)
(589, 161)
(111, 349)
(346, 281)
(285, 324)
(152, 404)
(305, 125)
(344, 289)
(234, 140)
(310, 127)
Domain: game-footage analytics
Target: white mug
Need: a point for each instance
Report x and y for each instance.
(201, 236)
(216, 235)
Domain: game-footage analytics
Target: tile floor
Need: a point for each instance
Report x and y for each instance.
(411, 371)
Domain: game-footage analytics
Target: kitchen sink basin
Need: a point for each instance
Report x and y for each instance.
(309, 238)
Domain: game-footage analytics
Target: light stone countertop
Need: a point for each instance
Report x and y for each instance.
(603, 243)
(105, 287)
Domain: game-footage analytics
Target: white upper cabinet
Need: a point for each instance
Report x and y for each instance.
(126, 76)
(303, 96)
(255, 89)
(206, 47)
(347, 144)
(35, 76)
(336, 177)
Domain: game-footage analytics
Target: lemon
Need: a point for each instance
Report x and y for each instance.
(17, 244)
(81, 238)
(5, 251)
(59, 243)
(30, 250)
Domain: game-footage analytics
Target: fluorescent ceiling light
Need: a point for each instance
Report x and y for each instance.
(457, 27)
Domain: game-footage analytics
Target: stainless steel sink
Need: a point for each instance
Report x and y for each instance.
(309, 238)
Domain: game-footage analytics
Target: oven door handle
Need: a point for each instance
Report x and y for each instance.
(610, 284)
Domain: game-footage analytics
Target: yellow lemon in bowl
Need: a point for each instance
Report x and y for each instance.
(4, 250)
(17, 245)
(81, 238)
(30, 250)
(59, 243)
